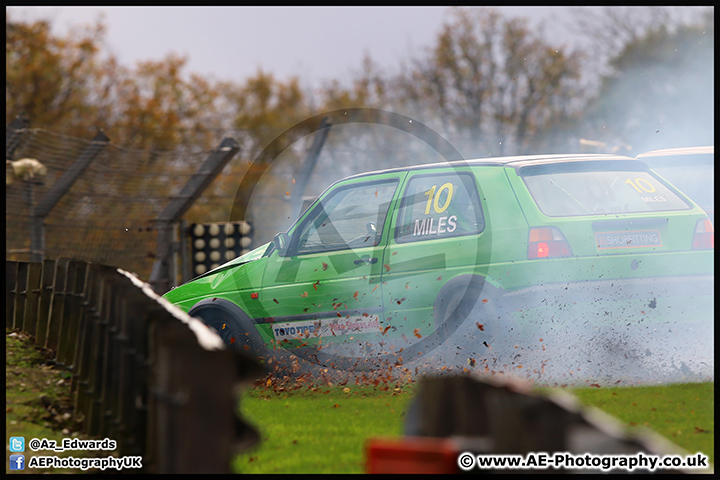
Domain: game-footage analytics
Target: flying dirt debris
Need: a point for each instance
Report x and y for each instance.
(572, 269)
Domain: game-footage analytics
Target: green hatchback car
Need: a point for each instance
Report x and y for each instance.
(553, 267)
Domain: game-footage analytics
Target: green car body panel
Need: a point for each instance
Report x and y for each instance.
(441, 226)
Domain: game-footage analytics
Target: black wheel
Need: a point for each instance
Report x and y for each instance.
(231, 323)
(227, 327)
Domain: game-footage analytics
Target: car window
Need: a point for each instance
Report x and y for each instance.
(573, 193)
(348, 217)
(439, 206)
(697, 182)
(694, 175)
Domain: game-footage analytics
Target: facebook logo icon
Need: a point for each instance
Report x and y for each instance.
(17, 462)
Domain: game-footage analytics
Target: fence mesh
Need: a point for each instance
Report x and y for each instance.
(108, 215)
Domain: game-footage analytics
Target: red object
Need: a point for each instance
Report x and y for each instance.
(704, 237)
(253, 296)
(412, 455)
(547, 242)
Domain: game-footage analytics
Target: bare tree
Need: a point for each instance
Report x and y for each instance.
(654, 86)
(494, 83)
(607, 30)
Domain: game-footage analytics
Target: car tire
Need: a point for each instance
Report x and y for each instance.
(238, 332)
(230, 322)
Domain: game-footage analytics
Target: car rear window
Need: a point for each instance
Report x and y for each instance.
(566, 193)
(694, 175)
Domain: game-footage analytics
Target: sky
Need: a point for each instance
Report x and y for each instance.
(313, 43)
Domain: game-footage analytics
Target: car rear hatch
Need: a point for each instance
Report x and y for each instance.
(607, 207)
(619, 278)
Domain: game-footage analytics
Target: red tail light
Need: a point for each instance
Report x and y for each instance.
(547, 242)
(704, 236)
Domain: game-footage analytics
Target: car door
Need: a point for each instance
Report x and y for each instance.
(437, 236)
(325, 288)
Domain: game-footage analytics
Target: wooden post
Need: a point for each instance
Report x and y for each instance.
(44, 301)
(10, 291)
(68, 311)
(87, 317)
(30, 320)
(192, 394)
(57, 304)
(20, 295)
(504, 416)
(77, 299)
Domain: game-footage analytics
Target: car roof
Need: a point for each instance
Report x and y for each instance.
(665, 152)
(517, 162)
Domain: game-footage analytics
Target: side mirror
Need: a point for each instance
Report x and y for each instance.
(282, 241)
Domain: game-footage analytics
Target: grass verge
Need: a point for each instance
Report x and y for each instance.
(37, 402)
(320, 429)
(324, 429)
(682, 413)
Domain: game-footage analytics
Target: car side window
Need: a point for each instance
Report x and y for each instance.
(352, 216)
(439, 206)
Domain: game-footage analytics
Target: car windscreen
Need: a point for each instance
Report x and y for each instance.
(565, 192)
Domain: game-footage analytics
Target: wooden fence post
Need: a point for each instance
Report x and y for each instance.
(20, 295)
(57, 304)
(140, 373)
(503, 416)
(83, 339)
(10, 291)
(32, 298)
(72, 310)
(44, 301)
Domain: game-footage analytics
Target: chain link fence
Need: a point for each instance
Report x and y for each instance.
(91, 200)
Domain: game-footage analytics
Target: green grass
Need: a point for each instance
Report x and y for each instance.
(37, 401)
(324, 429)
(682, 413)
(320, 430)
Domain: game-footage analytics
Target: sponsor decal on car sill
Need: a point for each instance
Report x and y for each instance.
(326, 327)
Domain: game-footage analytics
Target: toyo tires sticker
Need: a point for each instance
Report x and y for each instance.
(327, 327)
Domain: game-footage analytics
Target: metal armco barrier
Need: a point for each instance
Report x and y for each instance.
(144, 373)
(492, 416)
